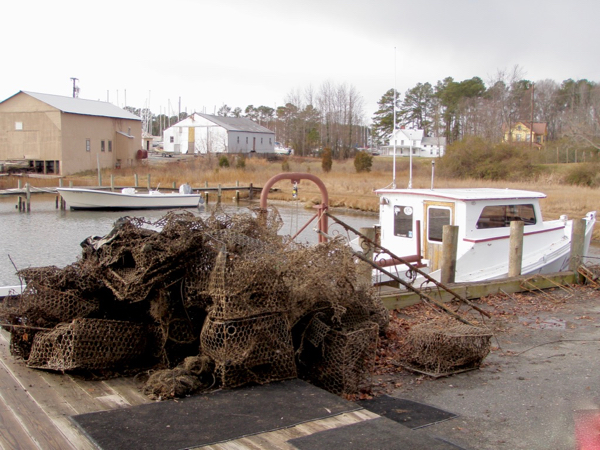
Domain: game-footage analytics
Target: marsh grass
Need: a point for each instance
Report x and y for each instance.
(346, 188)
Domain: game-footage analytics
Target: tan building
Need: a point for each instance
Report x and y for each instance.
(66, 135)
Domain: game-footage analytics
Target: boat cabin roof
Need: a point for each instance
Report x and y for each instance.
(465, 194)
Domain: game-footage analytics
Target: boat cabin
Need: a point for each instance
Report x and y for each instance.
(412, 220)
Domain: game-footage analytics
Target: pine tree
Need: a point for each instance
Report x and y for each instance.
(384, 117)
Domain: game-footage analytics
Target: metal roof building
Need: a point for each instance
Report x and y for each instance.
(205, 133)
(61, 135)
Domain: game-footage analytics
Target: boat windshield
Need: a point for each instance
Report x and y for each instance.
(500, 216)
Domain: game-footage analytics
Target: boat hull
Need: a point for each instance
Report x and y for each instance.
(89, 199)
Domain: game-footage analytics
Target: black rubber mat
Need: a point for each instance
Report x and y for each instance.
(211, 418)
(410, 414)
(376, 434)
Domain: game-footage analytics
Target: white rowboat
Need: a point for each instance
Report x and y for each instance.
(128, 198)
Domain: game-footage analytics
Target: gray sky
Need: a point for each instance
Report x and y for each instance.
(240, 52)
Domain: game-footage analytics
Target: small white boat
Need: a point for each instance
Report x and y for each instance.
(411, 223)
(129, 198)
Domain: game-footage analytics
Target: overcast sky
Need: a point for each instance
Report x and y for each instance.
(240, 52)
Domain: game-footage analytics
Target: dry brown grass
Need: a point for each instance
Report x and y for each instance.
(346, 188)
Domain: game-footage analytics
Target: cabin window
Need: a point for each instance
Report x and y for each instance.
(102, 146)
(171, 139)
(238, 140)
(403, 221)
(500, 216)
(110, 146)
(246, 139)
(88, 145)
(436, 219)
(270, 142)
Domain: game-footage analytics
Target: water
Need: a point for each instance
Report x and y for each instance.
(47, 236)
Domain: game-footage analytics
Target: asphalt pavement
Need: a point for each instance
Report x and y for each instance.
(536, 388)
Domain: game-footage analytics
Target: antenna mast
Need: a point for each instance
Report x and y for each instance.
(394, 126)
(75, 87)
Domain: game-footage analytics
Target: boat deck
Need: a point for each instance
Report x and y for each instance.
(36, 405)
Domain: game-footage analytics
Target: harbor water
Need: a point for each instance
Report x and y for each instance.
(47, 236)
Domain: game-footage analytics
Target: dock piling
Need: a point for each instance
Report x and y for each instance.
(28, 196)
(577, 243)
(449, 250)
(515, 252)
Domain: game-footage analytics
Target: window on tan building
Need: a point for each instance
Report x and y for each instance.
(102, 146)
(88, 145)
(110, 146)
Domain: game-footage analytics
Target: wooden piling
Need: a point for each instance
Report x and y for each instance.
(219, 194)
(237, 193)
(250, 192)
(149, 184)
(112, 182)
(135, 180)
(449, 250)
(206, 198)
(174, 185)
(577, 243)
(28, 196)
(515, 249)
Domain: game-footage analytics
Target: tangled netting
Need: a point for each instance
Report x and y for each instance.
(444, 347)
(248, 304)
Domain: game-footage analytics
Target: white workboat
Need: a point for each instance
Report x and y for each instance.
(412, 220)
(129, 198)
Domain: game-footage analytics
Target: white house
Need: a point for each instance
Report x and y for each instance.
(204, 133)
(415, 141)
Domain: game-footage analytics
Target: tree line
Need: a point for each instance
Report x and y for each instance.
(332, 116)
(460, 109)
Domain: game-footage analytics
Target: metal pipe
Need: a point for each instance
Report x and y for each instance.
(296, 177)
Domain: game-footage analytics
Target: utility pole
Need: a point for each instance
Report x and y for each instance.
(75, 88)
(531, 131)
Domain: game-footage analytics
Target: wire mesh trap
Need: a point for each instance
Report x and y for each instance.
(440, 347)
(87, 344)
(228, 289)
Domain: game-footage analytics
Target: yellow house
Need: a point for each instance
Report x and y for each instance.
(522, 132)
(65, 135)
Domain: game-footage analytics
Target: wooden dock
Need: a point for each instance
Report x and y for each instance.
(36, 406)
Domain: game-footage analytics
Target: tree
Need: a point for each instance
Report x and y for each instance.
(326, 160)
(224, 111)
(383, 119)
(363, 161)
(453, 96)
(418, 107)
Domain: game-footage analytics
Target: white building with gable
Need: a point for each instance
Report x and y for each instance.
(414, 141)
(205, 133)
